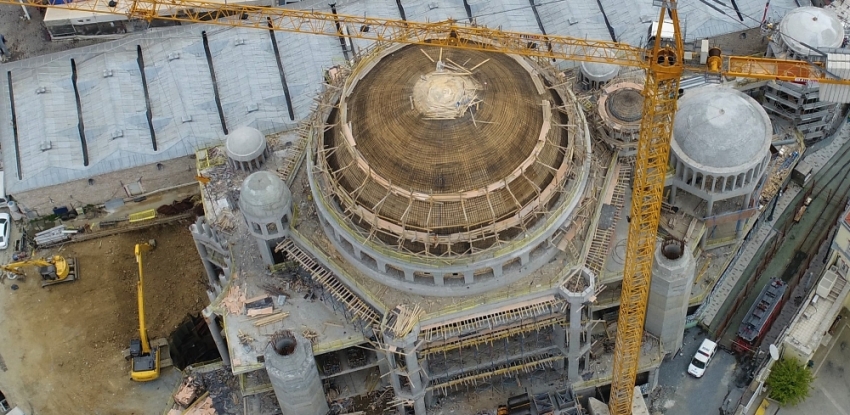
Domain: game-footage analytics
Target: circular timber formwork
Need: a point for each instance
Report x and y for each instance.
(443, 152)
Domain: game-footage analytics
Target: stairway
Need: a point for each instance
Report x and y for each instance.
(331, 283)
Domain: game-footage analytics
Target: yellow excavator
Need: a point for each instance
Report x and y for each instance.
(145, 365)
(53, 270)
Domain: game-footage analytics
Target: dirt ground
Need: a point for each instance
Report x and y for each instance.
(73, 334)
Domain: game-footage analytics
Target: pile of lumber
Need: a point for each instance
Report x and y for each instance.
(402, 319)
(190, 388)
(234, 301)
(202, 406)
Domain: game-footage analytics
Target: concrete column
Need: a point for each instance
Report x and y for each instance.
(524, 258)
(439, 279)
(497, 270)
(415, 380)
(576, 296)
(560, 334)
(406, 346)
(408, 275)
(468, 277)
(202, 252)
(265, 251)
(574, 332)
(382, 266)
(673, 274)
(295, 378)
(215, 331)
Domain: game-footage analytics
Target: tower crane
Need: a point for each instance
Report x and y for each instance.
(664, 64)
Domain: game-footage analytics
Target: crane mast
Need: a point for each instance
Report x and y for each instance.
(661, 91)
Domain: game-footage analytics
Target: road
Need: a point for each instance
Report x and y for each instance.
(802, 240)
(682, 394)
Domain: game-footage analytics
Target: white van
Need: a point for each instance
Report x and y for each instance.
(701, 360)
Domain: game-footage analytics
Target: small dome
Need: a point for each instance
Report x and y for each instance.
(245, 144)
(816, 27)
(720, 129)
(264, 195)
(599, 72)
(625, 104)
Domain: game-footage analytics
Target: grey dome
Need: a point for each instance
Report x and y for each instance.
(245, 144)
(598, 71)
(720, 129)
(264, 195)
(816, 27)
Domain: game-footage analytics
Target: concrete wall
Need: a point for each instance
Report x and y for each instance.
(669, 292)
(106, 186)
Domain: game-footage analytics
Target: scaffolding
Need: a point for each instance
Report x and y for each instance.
(488, 321)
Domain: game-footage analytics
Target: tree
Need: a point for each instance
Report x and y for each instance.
(789, 382)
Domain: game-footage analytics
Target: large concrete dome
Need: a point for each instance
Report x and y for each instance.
(816, 27)
(264, 195)
(446, 168)
(245, 144)
(720, 129)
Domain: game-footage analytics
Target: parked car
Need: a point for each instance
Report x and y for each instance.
(702, 358)
(5, 230)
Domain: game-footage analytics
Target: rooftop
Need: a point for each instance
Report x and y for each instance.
(813, 27)
(183, 111)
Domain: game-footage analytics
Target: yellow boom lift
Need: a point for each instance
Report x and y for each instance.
(664, 62)
(53, 270)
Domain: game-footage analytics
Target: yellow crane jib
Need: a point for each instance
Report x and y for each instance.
(145, 364)
(53, 270)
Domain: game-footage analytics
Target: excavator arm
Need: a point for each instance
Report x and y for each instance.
(15, 267)
(145, 365)
(53, 270)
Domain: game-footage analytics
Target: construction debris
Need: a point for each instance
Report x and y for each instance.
(271, 319)
(402, 319)
(203, 406)
(311, 335)
(245, 338)
(234, 302)
(190, 388)
(256, 312)
(51, 236)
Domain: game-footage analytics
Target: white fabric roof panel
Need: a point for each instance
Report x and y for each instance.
(248, 80)
(434, 10)
(305, 59)
(184, 111)
(113, 106)
(44, 117)
(385, 9)
(513, 15)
